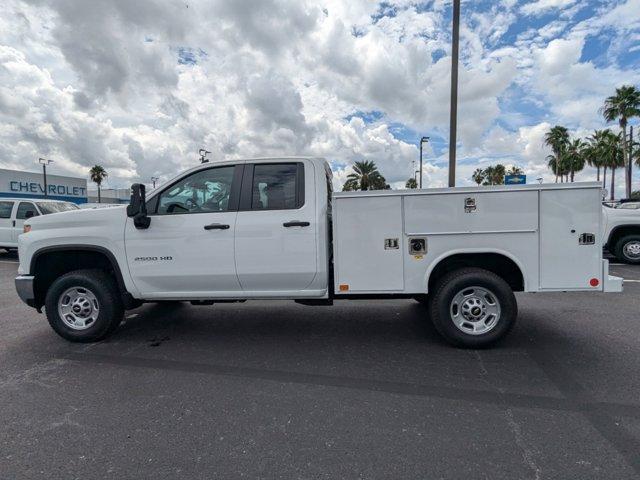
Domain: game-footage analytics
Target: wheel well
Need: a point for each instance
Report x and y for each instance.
(499, 264)
(620, 232)
(49, 265)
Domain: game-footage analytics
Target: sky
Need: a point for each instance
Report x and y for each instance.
(139, 87)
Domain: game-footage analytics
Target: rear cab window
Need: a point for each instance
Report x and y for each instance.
(273, 186)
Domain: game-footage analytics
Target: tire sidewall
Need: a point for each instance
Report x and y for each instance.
(109, 304)
(451, 285)
(620, 249)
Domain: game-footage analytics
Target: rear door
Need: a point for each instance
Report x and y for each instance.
(6, 224)
(276, 228)
(25, 210)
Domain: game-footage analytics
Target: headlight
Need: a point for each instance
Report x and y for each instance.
(26, 229)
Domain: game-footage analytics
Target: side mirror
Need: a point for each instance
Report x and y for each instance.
(29, 214)
(137, 208)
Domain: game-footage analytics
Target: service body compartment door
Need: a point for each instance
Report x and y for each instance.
(570, 238)
(368, 244)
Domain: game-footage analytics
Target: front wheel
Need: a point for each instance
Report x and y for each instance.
(473, 308)
(627, 249)
(84, 305)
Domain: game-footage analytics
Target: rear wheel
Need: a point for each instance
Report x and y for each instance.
(473, 308)
(84, 305)
(627, 249)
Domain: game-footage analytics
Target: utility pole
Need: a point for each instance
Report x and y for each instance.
(154, 180)
(453, 119)
(422, 140)
(44, 162)
(203, 155)
(630, 166)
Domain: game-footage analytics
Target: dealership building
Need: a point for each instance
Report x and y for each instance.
(18, 184)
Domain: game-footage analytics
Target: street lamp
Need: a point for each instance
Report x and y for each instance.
(453, 119)
(154, 180)
(422, 140)
(203, 155)
(44, 162)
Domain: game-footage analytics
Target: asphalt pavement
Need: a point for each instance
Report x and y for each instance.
(364, 389)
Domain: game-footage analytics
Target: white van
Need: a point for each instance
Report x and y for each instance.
(14, 211)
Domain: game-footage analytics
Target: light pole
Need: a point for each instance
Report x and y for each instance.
(630, 166)
(422, 140)
(154, 180)
(44, 162)
(453, 119)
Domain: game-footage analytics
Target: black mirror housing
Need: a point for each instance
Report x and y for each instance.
(137, 208)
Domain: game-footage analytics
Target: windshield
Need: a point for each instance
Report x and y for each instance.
(54, 207)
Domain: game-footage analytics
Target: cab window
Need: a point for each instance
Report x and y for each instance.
(26, 210)
(204, 191)
(277, 186)
(5, 209)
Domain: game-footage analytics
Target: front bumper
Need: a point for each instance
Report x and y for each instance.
(24, 287)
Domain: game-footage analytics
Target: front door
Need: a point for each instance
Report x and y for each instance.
(276, 228)
(6, 224)
(188, 250)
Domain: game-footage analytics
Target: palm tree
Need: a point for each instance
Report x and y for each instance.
(557, 138)
(593, 151)
(555, 164)
(478, 176)
(365, 176)
(411, 183)
(98, 174)
(575, 156)
(622, 106)
(494, 175)
(613, 156)
(514, 170)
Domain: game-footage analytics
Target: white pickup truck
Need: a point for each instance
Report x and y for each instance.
(272, 229)
(622, 231)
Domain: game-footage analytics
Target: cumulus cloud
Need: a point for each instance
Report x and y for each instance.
(140, 86)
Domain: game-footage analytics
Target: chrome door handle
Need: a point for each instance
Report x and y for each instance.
(296, 223)
(216, 226)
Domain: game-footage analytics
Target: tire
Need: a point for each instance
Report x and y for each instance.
(473, 308)
(92, 302)
(627, 249)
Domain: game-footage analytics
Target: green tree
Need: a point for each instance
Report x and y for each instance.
(612, 155)
(622, 106)
(365, 176)
(478, 176)
(494, 175)
(557, 138)
(593, 151)
(514, 170)
(575, 157)
(98, 175)
(411, 183)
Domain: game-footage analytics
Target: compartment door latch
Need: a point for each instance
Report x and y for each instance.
(586, 239)
(469, 204)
